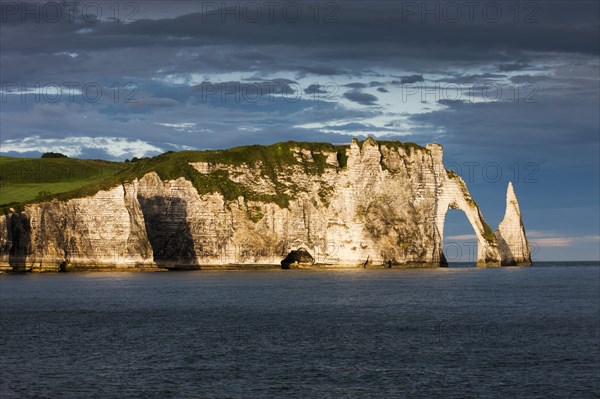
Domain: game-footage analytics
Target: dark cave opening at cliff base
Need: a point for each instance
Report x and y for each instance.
(460, 242)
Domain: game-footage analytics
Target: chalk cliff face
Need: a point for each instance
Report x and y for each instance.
(514, 247)
(103, 231)
(376, 204)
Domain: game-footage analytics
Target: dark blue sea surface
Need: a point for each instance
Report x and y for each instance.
(530, 332)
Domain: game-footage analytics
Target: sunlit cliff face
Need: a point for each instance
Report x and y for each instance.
(360, 205)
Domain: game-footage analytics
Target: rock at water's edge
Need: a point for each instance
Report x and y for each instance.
(514, 247)
(298, 257)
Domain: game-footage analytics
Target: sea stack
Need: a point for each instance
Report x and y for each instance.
(514, 247)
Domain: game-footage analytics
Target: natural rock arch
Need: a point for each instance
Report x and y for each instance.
(455, 196)
(452, 193)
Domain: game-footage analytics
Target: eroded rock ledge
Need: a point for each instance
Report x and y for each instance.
(365, 204)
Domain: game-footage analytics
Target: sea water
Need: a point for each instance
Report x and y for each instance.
(448, 332)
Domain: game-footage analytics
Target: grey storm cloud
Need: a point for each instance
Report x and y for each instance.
(471, 78)
(360, 127)
(360, 97)
(320, 70)
(516, 66)
(506, 126)
(249, 93)
(411, 79)
(448, 102)
(250, 89)
(530, 78)
(197, 41)
(356, 24)
(315, 89)
(356, 85)
(153, 102)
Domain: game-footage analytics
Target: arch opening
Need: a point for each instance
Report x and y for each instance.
(459, 244)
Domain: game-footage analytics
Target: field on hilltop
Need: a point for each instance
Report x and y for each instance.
(27, 180)
(23, 180)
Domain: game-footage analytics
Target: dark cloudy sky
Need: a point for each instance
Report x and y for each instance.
(510, 89)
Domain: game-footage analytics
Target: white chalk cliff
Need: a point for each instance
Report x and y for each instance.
(362, 204)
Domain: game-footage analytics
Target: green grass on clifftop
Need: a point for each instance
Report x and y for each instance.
(27, 180)
(24, 180)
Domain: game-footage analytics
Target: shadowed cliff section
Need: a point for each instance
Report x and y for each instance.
(19, 230)
(168, 232)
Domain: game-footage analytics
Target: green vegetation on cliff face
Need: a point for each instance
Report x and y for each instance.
(24, 181)
(271, 160)
(488, 233)
(397, 144)
(392, 144)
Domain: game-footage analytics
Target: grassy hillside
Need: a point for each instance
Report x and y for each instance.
(24, 179)
(29, 180)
